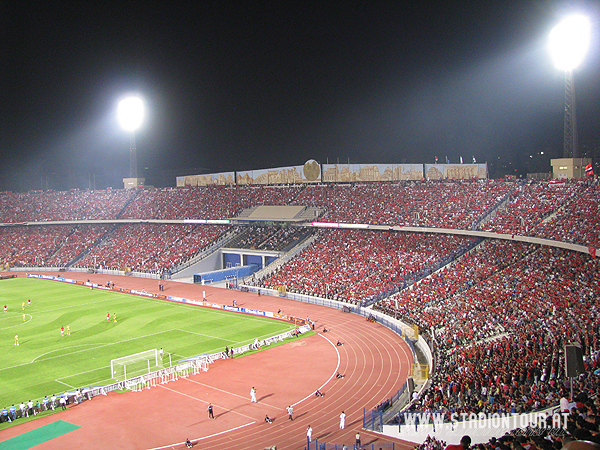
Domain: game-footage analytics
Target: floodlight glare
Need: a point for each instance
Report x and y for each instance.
(130, 113)
(569, 42)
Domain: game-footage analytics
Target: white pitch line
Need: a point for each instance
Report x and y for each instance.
(79, 305)
(206, 335)
(103, 345)
(68, 385)
(72, 353)
(19, 324)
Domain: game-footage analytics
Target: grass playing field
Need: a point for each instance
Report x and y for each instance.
(46, 363)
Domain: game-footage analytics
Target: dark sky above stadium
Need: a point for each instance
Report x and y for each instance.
(248, 85)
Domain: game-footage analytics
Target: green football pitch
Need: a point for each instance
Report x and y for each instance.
(46, 363)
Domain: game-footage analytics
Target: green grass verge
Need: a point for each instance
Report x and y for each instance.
(47, 363)
(20, 420)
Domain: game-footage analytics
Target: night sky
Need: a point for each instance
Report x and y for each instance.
(249, 85)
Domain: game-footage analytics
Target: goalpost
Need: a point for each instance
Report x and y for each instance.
(135, 365)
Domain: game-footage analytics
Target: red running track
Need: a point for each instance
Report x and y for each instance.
(374, 360)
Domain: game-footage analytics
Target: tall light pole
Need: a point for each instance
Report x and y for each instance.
(569, 42)
(130, 113)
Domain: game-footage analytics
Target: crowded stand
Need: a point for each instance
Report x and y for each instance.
(529, 204)
(561, 211)
(31, 245)
(268, 238)
(497, 315)
(579, 221)
(204, 203)
(355, 266)
(40, 206)
(76, 243)
(152, 248)
(449, 204)
(499, 329)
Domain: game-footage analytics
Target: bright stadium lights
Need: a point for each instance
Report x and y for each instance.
(130, 113)
(569, 42)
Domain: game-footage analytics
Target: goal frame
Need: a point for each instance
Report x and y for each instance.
(123, 361)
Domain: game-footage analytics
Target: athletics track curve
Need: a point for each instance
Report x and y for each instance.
(374, 360)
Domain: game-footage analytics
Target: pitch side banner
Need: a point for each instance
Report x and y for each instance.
(350, 173)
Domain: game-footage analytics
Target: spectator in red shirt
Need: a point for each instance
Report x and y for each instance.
(465, 443)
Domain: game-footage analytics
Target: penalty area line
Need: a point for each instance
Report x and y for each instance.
(68, 385)
(202, 438)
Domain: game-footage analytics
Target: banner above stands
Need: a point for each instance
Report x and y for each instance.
(313, 172)
(310, 172)
(212, 179)
(356, 173)
(455, 171)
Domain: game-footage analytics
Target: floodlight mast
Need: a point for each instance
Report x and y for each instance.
(570, 141)
(130, 114)
(569, 42)
(133, 171)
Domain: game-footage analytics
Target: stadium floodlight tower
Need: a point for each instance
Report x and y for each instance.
(569, 42)
(130, 113)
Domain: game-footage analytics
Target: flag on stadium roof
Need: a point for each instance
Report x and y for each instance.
(589, 171)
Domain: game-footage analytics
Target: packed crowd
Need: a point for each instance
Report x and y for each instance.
(76, 243)
(564, 211)
(33, 245)
(150, 248)
(431, 204)
(578, 221)
(499, 320)
(204, 203)
(40, 206)
(267, 238)
(498, 317)
(529, 204)
(355, 266)
(431, 443)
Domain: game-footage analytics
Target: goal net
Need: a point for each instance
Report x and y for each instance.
(135, 365)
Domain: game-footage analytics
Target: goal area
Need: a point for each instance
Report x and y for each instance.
(135, 365)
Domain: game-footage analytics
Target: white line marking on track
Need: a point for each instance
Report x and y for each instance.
(205, 402)
(332, 375)
(228, 393)
(205, 437)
